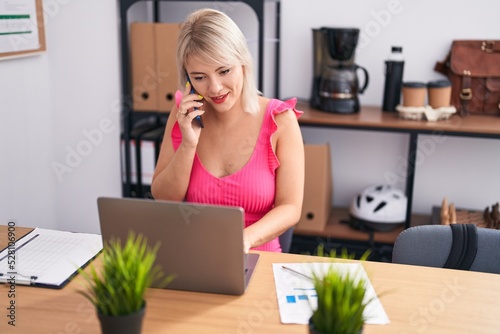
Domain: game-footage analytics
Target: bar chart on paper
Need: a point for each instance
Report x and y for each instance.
(302, 295)
(297, 297)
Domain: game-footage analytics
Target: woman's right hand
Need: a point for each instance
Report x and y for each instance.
(186, 113)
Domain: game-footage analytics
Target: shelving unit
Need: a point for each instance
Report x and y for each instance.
(369, 118)
(129, 116)
(339, 234)
(374, 119)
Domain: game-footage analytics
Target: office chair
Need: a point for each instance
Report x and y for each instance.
(431, 245)
(286, 240)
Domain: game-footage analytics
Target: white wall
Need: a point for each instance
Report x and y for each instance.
(463, 170)
(50, 103)
(27, 188)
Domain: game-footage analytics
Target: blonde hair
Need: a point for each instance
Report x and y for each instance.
(213, 36)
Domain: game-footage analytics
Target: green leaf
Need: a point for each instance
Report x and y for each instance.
(128, 270)
(340, 302)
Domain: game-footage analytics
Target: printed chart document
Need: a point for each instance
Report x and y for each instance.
(18, 26)
(297, 297)
(47, 258)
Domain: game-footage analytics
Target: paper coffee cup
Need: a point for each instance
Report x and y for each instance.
(414, 94)
(439, 93)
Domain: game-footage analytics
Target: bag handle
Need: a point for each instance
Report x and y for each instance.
(442, 66)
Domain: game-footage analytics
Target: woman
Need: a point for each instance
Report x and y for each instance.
(248, 151)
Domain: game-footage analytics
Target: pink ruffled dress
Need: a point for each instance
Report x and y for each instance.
(252, 187)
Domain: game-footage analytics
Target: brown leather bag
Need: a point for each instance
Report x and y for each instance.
(473, 67)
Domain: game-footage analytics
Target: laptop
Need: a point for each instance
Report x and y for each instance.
(202, 245)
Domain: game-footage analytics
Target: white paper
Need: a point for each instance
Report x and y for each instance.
(50, 255)
(297, 297)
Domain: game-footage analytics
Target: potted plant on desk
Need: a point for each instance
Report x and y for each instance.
(341, 303)
(341, 298)
(118, 289)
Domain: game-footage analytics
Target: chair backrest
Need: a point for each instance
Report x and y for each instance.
(430, 245)
(286, 240)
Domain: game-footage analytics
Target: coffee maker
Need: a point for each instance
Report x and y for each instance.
(335, 83)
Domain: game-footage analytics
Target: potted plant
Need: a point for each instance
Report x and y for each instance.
(341, 303)
(341, 299)
(118, 289)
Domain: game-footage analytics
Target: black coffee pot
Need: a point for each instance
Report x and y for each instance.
(335, 83)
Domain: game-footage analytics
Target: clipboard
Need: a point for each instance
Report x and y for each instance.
(47, 258)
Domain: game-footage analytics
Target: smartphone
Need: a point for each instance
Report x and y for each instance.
(197, 118)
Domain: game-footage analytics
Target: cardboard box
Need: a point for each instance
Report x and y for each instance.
(318, 189)
(153, 65)
(142, 60)
(166, 48)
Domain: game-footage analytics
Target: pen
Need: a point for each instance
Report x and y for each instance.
(298, 273)
(17, 282)
(13, 278)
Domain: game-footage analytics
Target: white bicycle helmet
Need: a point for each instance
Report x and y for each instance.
(380, 207)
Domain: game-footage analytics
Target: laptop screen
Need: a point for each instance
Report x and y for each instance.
(202, 245)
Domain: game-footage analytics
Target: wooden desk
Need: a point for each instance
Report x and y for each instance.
(416, 299)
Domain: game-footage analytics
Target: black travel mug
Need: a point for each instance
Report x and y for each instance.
(393, 79)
